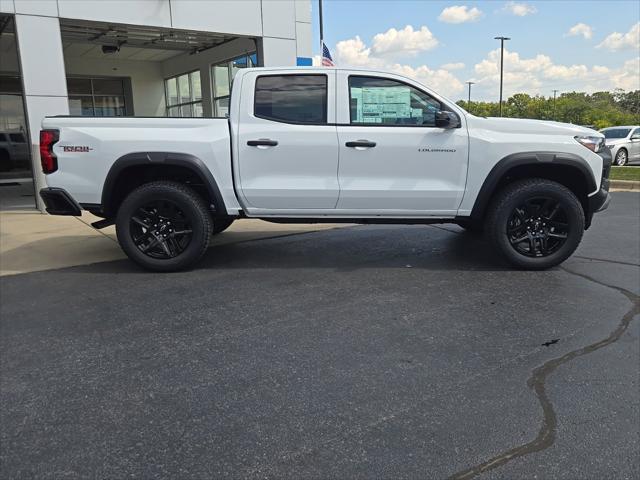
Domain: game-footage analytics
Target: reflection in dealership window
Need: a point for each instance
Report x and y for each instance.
(222, 75)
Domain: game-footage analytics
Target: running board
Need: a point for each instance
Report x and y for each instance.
(106, 222)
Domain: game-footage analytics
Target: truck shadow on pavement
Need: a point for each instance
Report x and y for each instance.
(346, 249)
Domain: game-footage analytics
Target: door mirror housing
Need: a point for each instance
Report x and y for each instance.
(446, 119)
(635, 137)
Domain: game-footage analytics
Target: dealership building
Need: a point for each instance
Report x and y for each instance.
(157, 58)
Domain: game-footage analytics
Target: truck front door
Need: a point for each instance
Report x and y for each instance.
(287, 143)
(394, 158)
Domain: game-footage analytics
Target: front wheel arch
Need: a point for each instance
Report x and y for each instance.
(566, 169)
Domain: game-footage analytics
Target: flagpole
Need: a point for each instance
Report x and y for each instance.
(321, 32)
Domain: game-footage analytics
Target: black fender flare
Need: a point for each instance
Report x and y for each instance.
(502, 168)
(185, 160)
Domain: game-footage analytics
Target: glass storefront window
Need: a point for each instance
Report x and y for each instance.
(184, 95)
(222, 75)
(99, 97)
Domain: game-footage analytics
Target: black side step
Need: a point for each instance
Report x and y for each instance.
(106, 222)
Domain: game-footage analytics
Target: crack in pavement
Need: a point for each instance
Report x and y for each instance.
(547, 433)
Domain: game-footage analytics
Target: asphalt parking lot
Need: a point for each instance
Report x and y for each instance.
(361, 352)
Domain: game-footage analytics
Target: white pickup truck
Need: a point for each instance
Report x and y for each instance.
(327, 145)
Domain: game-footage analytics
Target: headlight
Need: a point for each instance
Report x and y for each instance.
(595, 144)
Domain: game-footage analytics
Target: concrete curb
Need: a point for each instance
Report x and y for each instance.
(624, 186)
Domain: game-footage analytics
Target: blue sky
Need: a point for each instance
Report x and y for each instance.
(564, 45)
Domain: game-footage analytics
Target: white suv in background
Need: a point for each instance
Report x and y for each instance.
(624, 143)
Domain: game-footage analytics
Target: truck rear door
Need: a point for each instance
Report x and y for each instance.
(287, 146)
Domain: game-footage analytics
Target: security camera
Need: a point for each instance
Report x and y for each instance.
(110, 49)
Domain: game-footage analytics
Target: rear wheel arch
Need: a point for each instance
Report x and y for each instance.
(565, 168)
(134, 169)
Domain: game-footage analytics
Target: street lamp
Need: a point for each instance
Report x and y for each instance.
(470, 83)
(469, 101)
(502, 40)
(554, 103)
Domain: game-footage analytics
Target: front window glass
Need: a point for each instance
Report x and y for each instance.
(292, 98)
(616, 132)
(380, 101)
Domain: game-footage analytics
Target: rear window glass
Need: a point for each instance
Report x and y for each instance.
(292, 98)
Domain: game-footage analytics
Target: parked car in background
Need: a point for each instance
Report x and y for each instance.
(624, 143)
(14, 151)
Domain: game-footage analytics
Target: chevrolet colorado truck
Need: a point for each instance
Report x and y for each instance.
(327, 145)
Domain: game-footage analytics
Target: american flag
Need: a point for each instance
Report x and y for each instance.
(327, 61)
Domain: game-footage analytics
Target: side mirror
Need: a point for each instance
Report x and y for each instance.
(446, 119)
(635, 137)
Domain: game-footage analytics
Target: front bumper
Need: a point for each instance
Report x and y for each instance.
(58, 202)
(601, 199)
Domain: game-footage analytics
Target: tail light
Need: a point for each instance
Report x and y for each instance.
(47, 158)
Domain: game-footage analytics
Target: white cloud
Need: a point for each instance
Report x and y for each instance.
(406, 41)
(622, 41)
(460, 14)
(355, 53)
(519, 9)
(540, 74)
(580, 29)
(627, 77)
(452, 66)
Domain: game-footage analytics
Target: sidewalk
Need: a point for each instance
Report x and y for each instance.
(31, 241)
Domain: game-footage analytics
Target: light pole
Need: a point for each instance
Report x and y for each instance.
(502, 40)
(554, 103)
(469, 101)
(470, 83)
(321, 27)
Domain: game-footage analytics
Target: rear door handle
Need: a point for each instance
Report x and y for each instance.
(361, 143)
(262, 142)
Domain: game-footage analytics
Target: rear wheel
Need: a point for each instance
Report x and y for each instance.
(164, 226)
(621, 157)
(536, 223)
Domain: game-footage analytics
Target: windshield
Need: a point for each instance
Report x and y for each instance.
(616, 132)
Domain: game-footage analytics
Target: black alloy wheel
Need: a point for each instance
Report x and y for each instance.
(164, 226)
(160, 229)
(538, 227)
(535, 223)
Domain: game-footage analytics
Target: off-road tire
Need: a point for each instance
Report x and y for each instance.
(515, 194)
(189, 202)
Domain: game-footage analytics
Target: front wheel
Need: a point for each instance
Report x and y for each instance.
(621, 157)
(164, 226)
(535, 224)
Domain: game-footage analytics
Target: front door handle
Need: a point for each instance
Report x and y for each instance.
(361, 143)
(262, 142)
